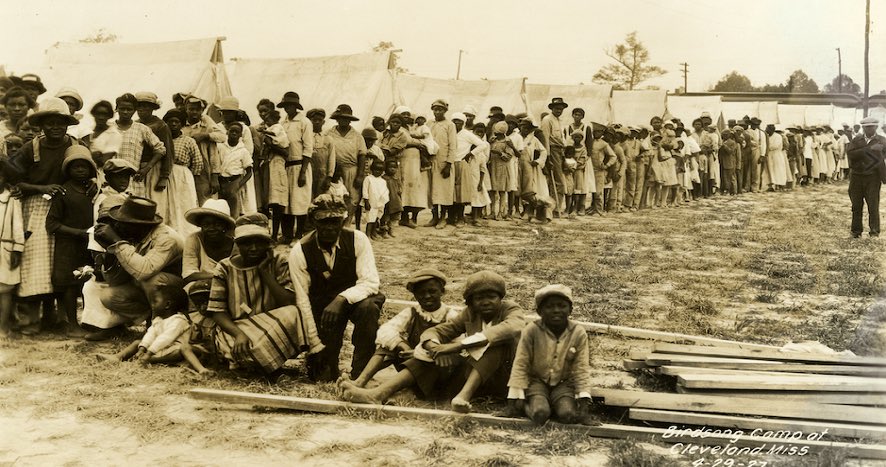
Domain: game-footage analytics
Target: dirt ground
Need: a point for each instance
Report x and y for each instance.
(768, 268)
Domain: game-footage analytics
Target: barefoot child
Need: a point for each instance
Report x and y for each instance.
(395, 200)
(12, 237)
(236, 171)
(501, 151)
(375, 197)
(397, 339)
(167, 339)
(70, 216)
(551, 368)
(492, 326)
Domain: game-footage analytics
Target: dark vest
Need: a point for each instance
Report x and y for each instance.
(326, 283)
(418, 325)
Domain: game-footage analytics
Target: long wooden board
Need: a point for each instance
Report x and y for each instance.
(758, 426)
(782, 383)
(676, 370)
(865, 451)
(710, 351)
(664, 336)
(658, 359)
(765, 365)
(741, 406)
(841, 398)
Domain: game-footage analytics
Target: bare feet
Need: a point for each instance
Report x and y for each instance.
(75, 331)
(460, 405)
(352, 393)
(103, 357)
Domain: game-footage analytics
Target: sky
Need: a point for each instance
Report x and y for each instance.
(546, 41)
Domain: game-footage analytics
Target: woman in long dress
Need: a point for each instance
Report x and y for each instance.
(181, 192)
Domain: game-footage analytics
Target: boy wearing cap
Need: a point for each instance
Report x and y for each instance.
(552, 364)
(204, 131)
(398, 339)
(492, 326)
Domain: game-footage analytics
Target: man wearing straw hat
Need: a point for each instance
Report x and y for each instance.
(866, 154)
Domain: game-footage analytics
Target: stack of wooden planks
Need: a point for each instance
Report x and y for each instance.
(761, 388)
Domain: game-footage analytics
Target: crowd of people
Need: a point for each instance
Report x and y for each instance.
(173, 221)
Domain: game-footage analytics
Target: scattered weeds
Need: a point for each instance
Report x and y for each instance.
(630, 453)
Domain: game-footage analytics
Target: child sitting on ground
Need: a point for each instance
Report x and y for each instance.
(375, 197)
(492, 326)
(167, 340)
(551, 368)
(398, 338)
(12, 235)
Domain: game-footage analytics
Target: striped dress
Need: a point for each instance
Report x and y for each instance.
(277, 333)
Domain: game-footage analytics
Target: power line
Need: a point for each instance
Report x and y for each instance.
(685, 72)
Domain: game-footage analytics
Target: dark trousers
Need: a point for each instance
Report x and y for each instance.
(865, 189)
(364, 314)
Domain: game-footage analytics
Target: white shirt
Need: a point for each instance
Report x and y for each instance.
(234, 159)
(393, 332)
(375, 189)
(108, 141)
(367, 274)
(465, 138)
(246, 137)
(165, 332)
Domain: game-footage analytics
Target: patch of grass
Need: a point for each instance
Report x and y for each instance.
(629, 453)
(870, 334)
(693, 303)
(560, 442)
(501, 459)
(436, 452)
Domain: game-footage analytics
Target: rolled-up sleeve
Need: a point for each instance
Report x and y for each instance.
(390, 334)
(145, 266)
(298, 268)
(367, 274)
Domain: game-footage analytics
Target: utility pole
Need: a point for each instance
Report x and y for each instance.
(867, 49)
(685, 77)
(839, 71)
(458, 70)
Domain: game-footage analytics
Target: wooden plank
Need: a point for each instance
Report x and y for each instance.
(599, 328)
(741, 406)
(758, 426)
(658, 359)
(782, 383)
(841, 398)
(867, 451)
(634, 364)
(676, 370)
(708, 351)
(768, 365)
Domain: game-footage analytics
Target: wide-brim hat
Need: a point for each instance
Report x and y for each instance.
(136, 210)
(73, 94)
(557, 102)
(756, 120)
(52, 106)
(217, 208)
(30, 80)
(228, 103)
(148, 98)
(290, 97)
(343, 112)
(76, 152)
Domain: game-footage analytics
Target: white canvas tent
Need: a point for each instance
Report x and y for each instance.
(792, 115)
(418, 93)
(843, 115)
(637, 107)
(819, 114)
(593, 99)
(688, 108)
(362, 81)
(105, 71)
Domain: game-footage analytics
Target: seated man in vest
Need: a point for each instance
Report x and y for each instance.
(336, 266)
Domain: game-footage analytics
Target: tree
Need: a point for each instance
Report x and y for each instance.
(848, 86)
(733, 82)
(384, 46)
(101, 36)
(631, 67)
(799, 81)
(773, 88)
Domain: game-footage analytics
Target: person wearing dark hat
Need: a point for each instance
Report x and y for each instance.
(149, 251)
(756, 141)
(397, 340)
(442, 180)
(291, 179)
(207, 134)
(187, 163)
(350, 157)
(263, 317)
(492, 326)
(32, 84)
(17, 103)
(324, 160)
(336, 266)
(37, 167)
(157, 178)
(866, 153)
(553, 132)
(496, 114)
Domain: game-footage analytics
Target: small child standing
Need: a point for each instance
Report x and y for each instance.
(375, 197)
(236, 170)
(395, 200)
(12, 237)
(370, 137)
(551, 367)
(398, 338)
(501, 151)
(70, 216)
(583, 176)
(569, 165)
(167, 340)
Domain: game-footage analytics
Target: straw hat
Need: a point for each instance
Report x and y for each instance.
(52, 106)
(148, 98)
(217, 208)
(78, 153)
(228, 103)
